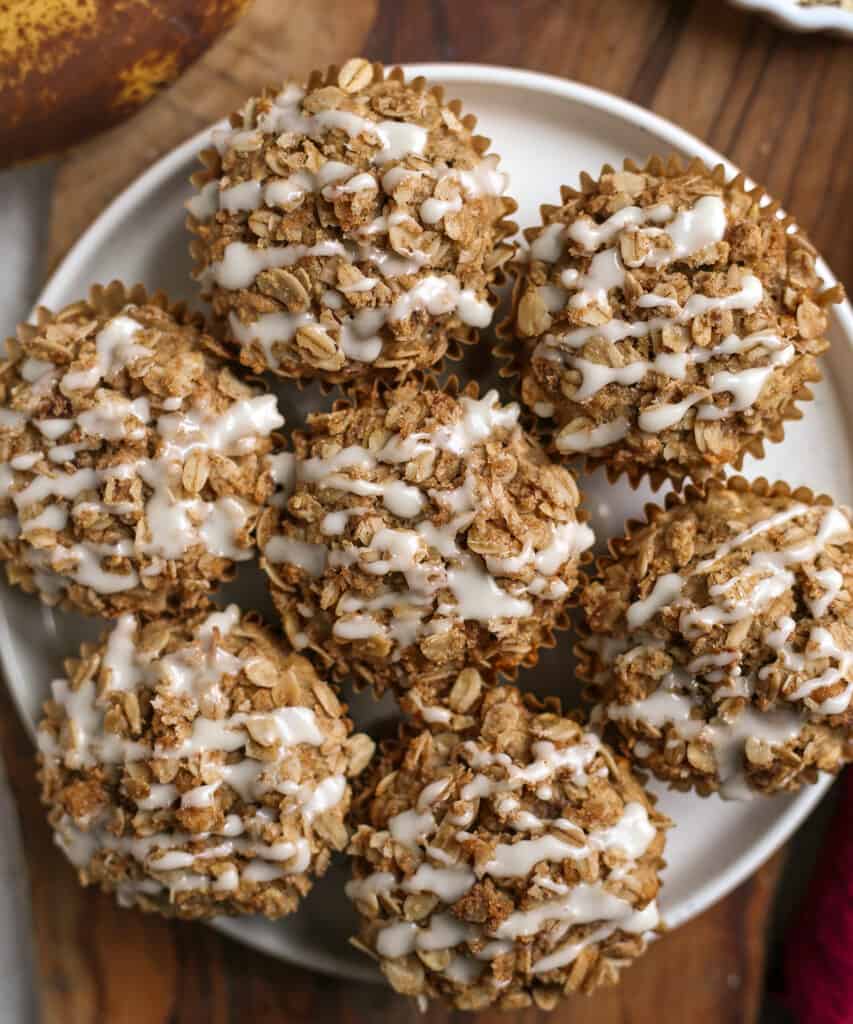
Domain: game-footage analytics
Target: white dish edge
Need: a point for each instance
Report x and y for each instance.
(790, 15)
(662, 131)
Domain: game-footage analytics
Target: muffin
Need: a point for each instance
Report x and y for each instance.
(198, 767)
(667, 321)
(506, 865)
(134, 461)
(425, 532)
(720, 635)
(350, 227)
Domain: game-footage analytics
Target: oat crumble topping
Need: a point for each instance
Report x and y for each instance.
(199, 768)
(350, 227)
(133, 461)
(666, 322)
(720, 641)
(506, 865)
(421, 530)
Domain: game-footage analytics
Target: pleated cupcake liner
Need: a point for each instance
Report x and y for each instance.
(108, 300)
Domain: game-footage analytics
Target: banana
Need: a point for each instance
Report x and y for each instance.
(71, 68)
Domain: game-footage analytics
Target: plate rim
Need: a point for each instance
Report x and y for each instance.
(791, 15)
(450, 74)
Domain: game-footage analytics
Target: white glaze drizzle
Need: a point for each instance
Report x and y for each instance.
(578, 905)
(690, 232)
(635, 922)
(586, 439)
(114, 350)
(358, 334)
(745, 386)
(666, 589)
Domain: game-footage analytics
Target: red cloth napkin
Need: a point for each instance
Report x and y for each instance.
(819, 945)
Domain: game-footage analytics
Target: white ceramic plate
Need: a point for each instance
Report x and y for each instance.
(547, 130)
(791, 15)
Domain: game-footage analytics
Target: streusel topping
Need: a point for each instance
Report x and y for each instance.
(422, 528)
(722, 639)
(133, 462)
(349, 226)
(199, 768)
(507, 865)
(667, 321)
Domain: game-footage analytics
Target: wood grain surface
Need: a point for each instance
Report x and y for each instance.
(778, 105)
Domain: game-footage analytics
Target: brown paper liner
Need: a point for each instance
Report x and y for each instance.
(460, 335)
(107, 300)
(512, 352)
(587, 660)
(369, 393)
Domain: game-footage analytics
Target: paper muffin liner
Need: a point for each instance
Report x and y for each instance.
(462, 335)
(109, 300)
(371, 392)
(512, 352)
(587, 661)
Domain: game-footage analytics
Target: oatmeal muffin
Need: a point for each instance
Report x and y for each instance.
(424, 532)
(667, 321)
(134, 461)
(197, 768)
(350, 227)
(505, 866)
(720, 644)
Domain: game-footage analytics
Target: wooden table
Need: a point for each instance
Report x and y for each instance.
(780, 106)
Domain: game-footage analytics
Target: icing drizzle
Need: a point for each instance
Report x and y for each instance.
(810, 665)
(51, 498)
(666, 237)
(543, 842)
